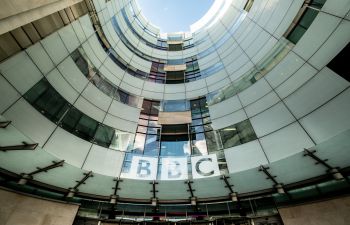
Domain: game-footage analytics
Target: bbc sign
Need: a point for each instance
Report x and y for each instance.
(173, 168)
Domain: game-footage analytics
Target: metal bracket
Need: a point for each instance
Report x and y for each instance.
(24, 146)
(4, 124)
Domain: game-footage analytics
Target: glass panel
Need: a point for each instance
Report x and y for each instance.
(36, 91)
(151, 145)
(47, 100)
(121, 141)
(199, 145)
(141, 129)
(86, 128)
(246, 130)
(139, 142)
(230, 137)
(305, 22)
(213, 141)
(71, 119)
(175, 106)
(52, 105)
(237, 134)
(103, 136)
(175, 145)
(266, 64)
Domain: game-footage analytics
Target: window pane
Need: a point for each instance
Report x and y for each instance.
(51, 104)
(151, 145)
(38, 89)
(229, 137)
(199, 145)
(86, 128)
(71, 119)
(121, 141)
(213, 141)
(104, 135)
(237, 134)
(246, 131)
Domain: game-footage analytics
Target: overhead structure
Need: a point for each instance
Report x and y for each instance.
(249, 108)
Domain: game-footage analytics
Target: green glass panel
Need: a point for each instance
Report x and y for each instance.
(86, 128)
(104, 135)
(36, 91)
(47, 100)
(237, 134)
(71, 119)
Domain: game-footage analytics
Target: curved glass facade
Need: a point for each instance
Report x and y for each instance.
(105, 108)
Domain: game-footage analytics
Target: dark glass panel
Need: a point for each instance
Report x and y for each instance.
(52, 105)
(71, 119)
(339, 63)
(175, 47)
(86, 128)
(246, 130)
(175, 77)
(36, 91)
(237, 134)
(104, 135)
(213, 141)
(303, 24)
(229, 137)
(47, 100)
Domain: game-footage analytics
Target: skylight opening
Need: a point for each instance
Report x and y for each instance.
(172, 16)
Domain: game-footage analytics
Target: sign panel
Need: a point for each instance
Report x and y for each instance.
(174, 168)
(171, 118)
(143, 168)
(205, 166)
(180, 67)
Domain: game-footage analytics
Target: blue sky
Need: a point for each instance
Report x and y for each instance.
(174, 15)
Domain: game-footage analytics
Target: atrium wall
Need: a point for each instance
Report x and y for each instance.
(73, 100)
(18, 209)
(333, 212)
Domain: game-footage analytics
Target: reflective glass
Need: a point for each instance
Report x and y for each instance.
(237, 134)
(151, 145)
(175, 106)
(86, 128)
(47, 100)
(104, 135)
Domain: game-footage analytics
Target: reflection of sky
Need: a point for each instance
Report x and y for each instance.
(139, 142)
(201, 146)
(176, 148)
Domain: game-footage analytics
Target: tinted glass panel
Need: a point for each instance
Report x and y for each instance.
(47, 100)
(71, 119)
(86, 128)
(237, 134)
(104, 135)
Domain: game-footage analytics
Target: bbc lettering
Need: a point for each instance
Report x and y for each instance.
(173, 168)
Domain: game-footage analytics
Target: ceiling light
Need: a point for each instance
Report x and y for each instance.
(113, 199)
(154, 201)
(24, 179)
(234, 197)
(71, 193)
(193, 200)
(280, 189)
(230, 129)
(336, 174)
